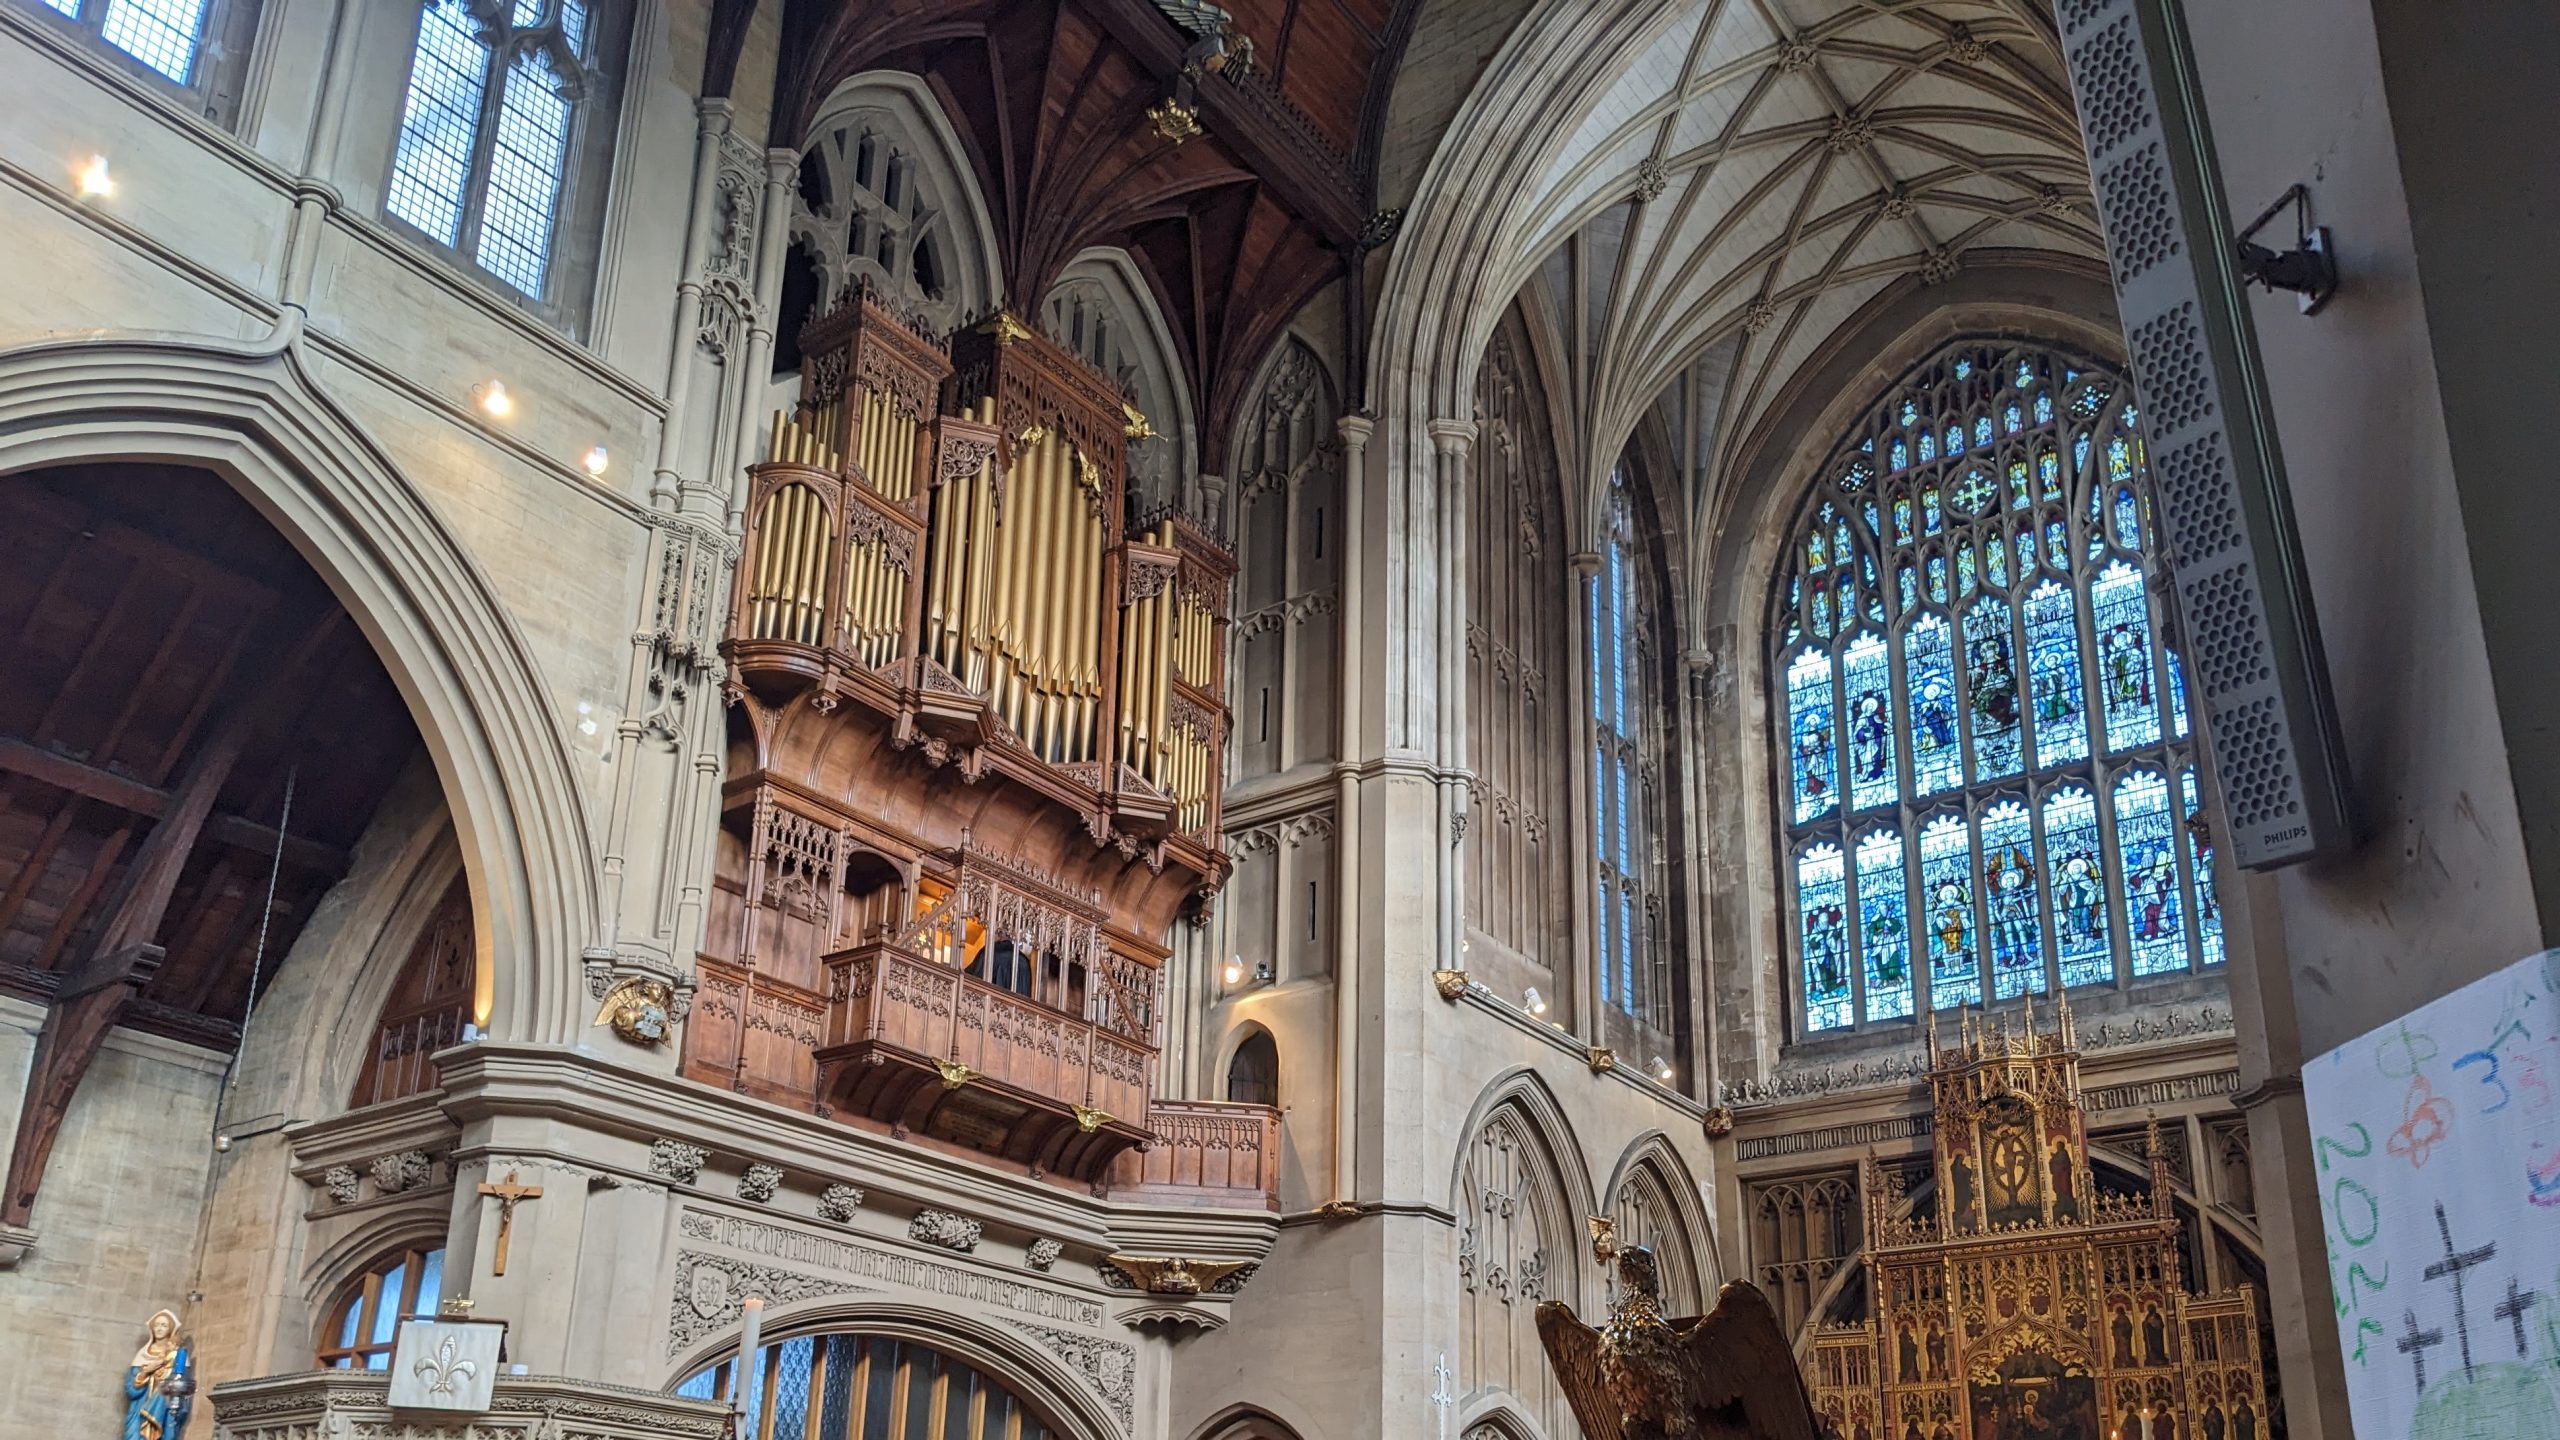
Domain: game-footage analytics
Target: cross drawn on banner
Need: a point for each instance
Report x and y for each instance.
(508, 1195)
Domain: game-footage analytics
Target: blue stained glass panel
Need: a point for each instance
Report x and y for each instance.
(793, 1363)
(2013, 420)
(1884, 929)
(1928, 446)
(1822, 899)
(2200, 857)
(1981, 430)
(1965, 579)
(1902, 519)
(2014, 892)
(1900, 455)
(1868, 673)
(1938, 578)
(2053, 650)
(1821, 610)
(1929, 669)
(1991, 690)
(2044, 407)
(2128, 520)
(1809, 702)
(1955, 438)
(2155, 927)
(1910, 584)
(1995, 559)
(1975, 492)
(2048, 475)
(2019, 497)
(2123, 617)
(2057, 545)
(1946, 908)
(2177, 696)
(2076, 868)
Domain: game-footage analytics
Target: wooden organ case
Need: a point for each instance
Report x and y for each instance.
(977, 723)
(2025, 1302)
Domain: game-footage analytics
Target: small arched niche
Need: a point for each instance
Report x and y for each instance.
(1253, 1071)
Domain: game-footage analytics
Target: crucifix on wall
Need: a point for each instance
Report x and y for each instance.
(508, 1195)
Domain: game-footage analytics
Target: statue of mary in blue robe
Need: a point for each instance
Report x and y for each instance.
(147, 1407)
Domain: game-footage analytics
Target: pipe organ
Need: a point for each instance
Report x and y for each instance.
(962, 531)
(1002, 698)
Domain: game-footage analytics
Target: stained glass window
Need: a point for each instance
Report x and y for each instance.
(488, 133)
(1822, 902)
(1988, 762)
(1884, 929)
(1872, 779)
(1946, 908)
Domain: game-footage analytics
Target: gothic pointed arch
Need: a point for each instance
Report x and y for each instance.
(1102, 309)
(1658, 1204)
(1520, 1194)
(258, 419)
(886, 197)
(1522, 731)
(1245, 1422)
(1284, 512)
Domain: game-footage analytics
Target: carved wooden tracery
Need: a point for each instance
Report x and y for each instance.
(1516, 1247)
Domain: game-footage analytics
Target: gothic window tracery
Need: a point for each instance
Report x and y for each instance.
(1519, 693)
(1100, 310)
(883, 200)
(1647, 1215)
(1514, 1250)
(188, 43)
(1803, 1230)
(500, 137)
(1989, 778)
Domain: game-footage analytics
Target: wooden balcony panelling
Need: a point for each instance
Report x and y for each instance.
(754, 1033)
(1041, 1087)
(1205, 1152)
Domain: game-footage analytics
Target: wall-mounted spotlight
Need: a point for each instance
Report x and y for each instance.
(1662, 1070)
(596, 461)
(1235, 973)
(2309, 269)
(1533, 1002)
(494, 400)
(96, 182)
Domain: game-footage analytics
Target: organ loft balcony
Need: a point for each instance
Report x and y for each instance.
(976, 726)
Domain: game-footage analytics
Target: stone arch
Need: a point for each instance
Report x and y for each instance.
(1245, 1422)
(900, 107)
(1102, 308)
(1087, 1385)
(1733, 550)
(256, 417)
(1657, 1202)
(1501, 1420)
(1520, 1192)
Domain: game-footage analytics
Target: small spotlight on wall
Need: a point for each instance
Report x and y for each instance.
(495, 401)
(1234, 973)
(1662, 1070)
(596, 462)
(95, 180)
(1533, 1002)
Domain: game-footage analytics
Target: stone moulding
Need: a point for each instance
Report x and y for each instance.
(341, 1403)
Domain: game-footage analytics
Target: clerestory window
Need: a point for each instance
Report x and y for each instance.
(187, 43)
(500, 155)
(1990, 786)
(1629, 923)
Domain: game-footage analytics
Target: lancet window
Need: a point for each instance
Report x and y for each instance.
(499, 136)
(1989, 784)
(1630, 924)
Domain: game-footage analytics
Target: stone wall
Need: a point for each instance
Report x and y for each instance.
(118, 1217)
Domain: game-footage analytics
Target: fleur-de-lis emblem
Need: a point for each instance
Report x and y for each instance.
(444, 1371)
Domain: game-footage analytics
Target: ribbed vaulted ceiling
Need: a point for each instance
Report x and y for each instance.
(1767, 166)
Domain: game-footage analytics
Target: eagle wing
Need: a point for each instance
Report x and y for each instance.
(1573, 1352)
(1738, 1358)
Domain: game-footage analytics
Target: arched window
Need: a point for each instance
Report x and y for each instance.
(500, 140)
(1990, 789)
(1629, 926)
(1100, 308)
(366, 1319)
(1253, 1076)
(872, 1387)
(884, 198)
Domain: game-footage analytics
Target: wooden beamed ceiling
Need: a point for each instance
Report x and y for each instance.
(1234, 230)
(142, 610)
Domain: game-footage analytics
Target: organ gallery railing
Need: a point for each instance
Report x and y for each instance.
(961, 536)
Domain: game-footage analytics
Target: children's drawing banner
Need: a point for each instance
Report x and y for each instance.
(2437, 1148)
